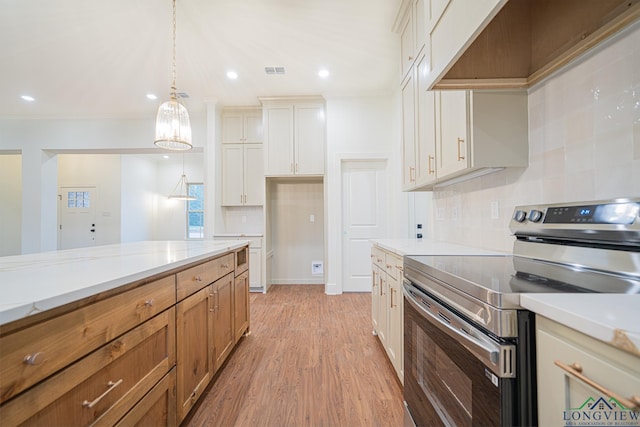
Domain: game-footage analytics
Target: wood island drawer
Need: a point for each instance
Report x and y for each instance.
(32, 354)
(103, 386)
(195, 278)
(158, 408)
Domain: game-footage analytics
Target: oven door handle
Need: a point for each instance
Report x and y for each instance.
(499, 358)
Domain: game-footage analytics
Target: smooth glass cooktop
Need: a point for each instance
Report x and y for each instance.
(514, 275)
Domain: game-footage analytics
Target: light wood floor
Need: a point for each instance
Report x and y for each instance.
(310, 360)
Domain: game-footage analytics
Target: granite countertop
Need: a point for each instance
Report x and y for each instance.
(611, 318)
(37, 282)
(430, 247)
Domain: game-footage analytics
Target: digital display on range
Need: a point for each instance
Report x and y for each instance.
(612, 213)
(582, 212)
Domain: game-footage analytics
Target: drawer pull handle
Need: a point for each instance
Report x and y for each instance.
(198, 279)
(34, 359)
(460, 156)
(111, 385)
(149, 303)
(575, 369)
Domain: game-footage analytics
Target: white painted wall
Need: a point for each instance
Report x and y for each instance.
(40, 140)
(584, 144)
(101, 171)
(10, 204)
(296, 239)
(365, 128)
(138, 198)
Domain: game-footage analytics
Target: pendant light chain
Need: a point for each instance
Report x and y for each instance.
(173, 64)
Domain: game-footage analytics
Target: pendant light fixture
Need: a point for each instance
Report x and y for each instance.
(173, 128)
(181, 190)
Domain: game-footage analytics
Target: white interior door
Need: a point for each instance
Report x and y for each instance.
(364, 194)
(77, 217)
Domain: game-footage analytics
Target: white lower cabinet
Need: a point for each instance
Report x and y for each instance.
(584, 381)
(387, 305)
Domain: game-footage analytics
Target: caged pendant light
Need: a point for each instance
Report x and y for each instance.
(173, 128)
(181, 190)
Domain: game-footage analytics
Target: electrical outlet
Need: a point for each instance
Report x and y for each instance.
(312, 218)
(317, 267)
(495, 210)
(454, 214)
(440, 214)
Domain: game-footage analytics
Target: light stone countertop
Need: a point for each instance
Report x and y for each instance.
(37, 282)
(611, 318)
(430, 247)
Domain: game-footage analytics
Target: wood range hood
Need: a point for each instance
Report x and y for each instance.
(528, 40)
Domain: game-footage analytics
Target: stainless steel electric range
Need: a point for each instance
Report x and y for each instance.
(469, 344)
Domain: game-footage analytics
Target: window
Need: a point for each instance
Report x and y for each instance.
(195, 211)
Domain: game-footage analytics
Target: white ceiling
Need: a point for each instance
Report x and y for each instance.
(101, 57)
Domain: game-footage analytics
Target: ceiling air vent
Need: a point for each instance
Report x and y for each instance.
(183, 95)
(274, 70)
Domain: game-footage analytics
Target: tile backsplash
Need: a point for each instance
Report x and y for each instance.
(584, 144)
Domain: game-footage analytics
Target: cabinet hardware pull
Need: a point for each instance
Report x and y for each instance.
(197, 279)
(241, 198)
(297, 169)
(460, 157)
(34, 359)
(111, 385)
(575, 369)
(399, 267)
(291, 167)
(149, 303)
(431, 169)
(411, 178)
(392, 291)
(410, 58)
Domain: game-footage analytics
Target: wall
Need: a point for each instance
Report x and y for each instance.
(10, 204)
(102, 172)
(584, 144)
(366, 127)
(41, 140)
(138, 199)
(296, 238)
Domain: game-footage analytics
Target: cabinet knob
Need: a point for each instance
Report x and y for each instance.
(149, 303)
(197, 279)
(34, 359)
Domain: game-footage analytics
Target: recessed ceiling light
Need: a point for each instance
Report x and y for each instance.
(232, 75)
(165, 156)
(151, 96)
(28, 98)
(324, 73)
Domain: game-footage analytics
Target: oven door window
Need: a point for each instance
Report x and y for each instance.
(445, 384)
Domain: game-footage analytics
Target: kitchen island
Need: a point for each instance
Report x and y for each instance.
(118, 334)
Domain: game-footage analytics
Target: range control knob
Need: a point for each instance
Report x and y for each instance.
(535, 215)
(519, 216)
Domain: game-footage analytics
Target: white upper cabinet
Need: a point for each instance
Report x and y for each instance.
(294, 137)
(479, 131)
(242, 175)
(411, 25)
(242, 158)
(452, 143)
(242, 126)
